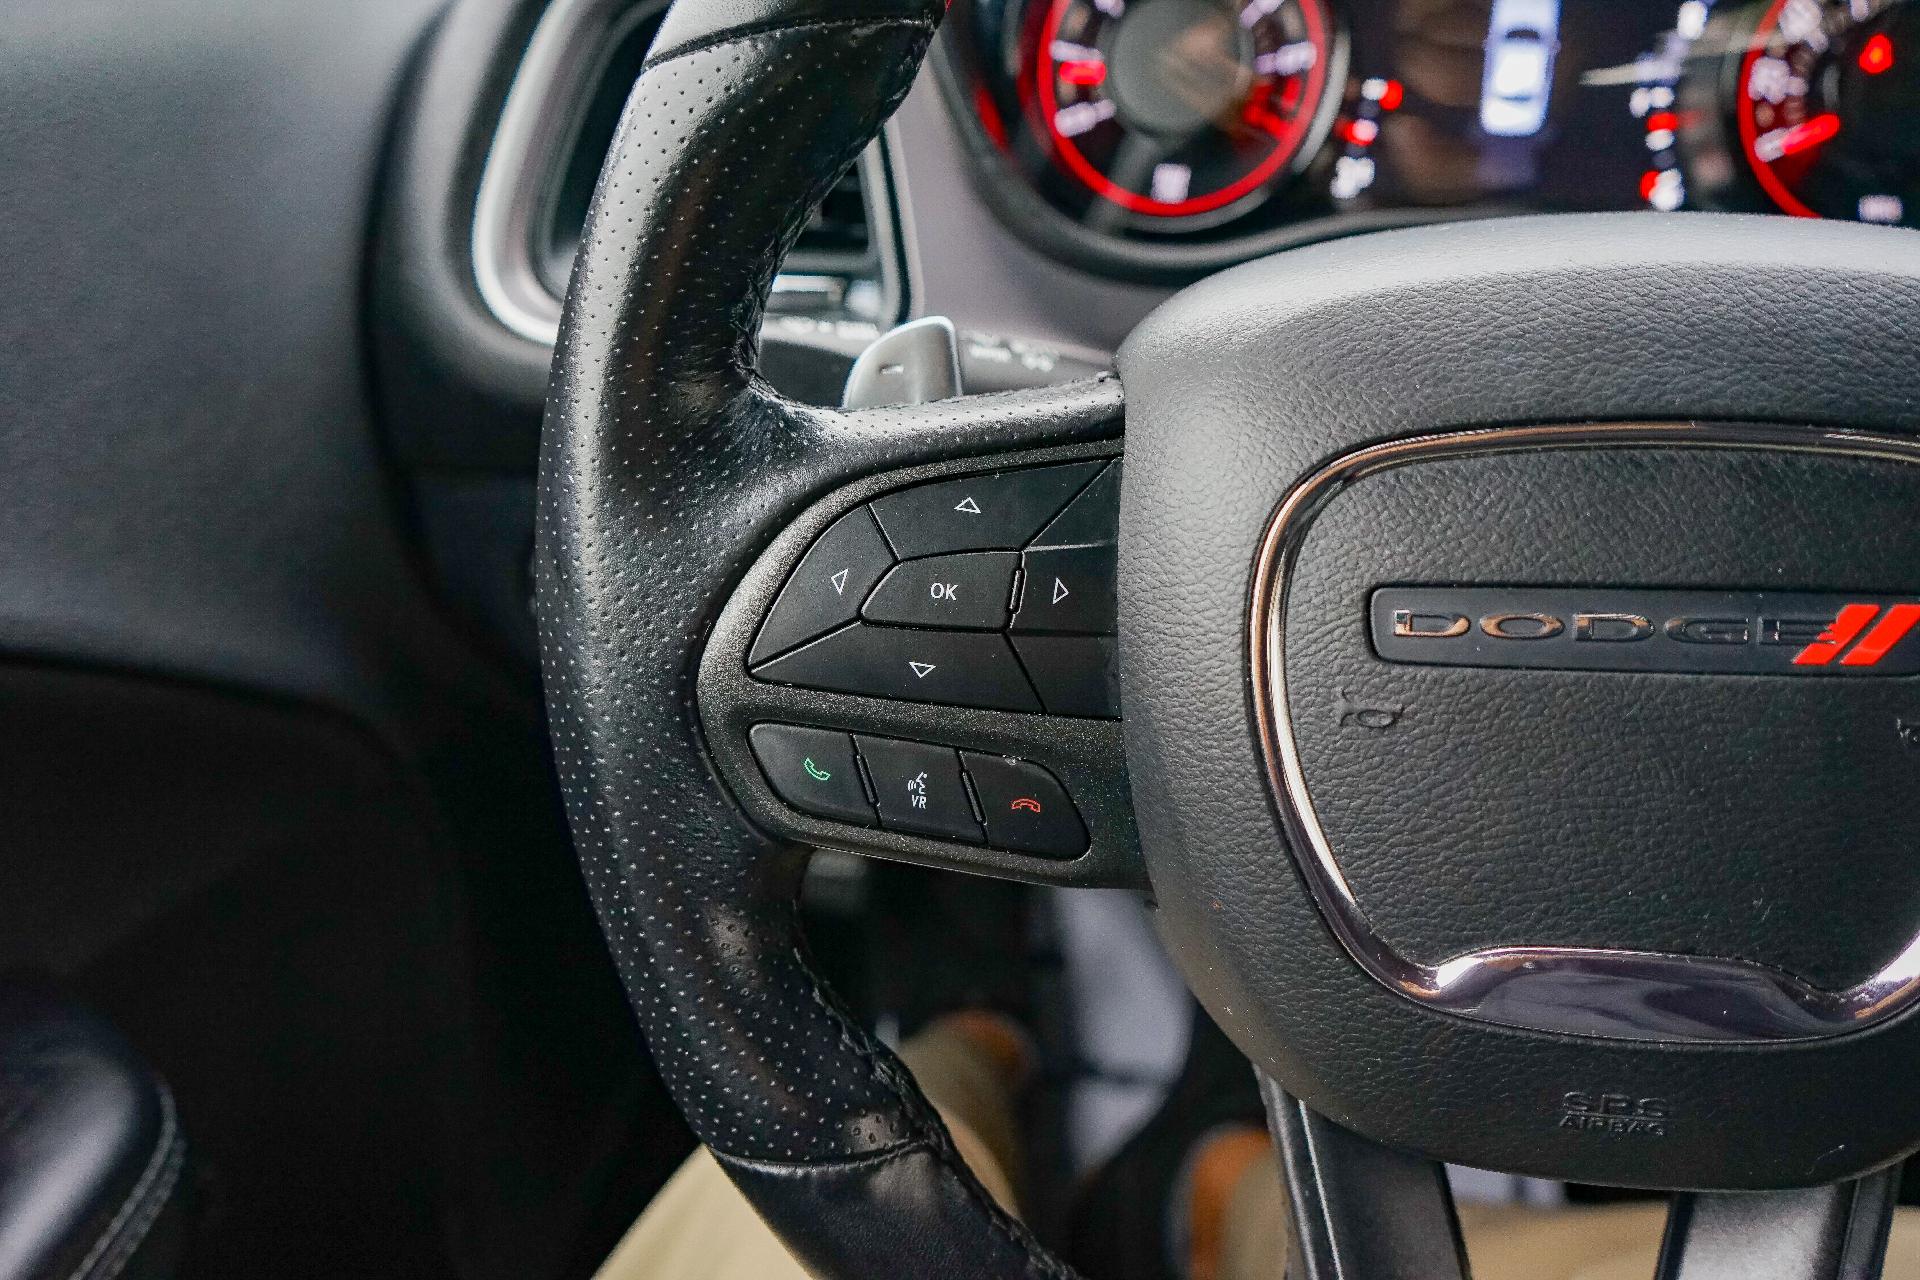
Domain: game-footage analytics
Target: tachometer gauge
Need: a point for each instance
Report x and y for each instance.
(1183, 111)
(1828, 108)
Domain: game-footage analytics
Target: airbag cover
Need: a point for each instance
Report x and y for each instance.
(1746, 817)
(1760, 817)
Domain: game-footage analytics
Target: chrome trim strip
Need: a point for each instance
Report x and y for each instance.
(1618, 995)
(535, 123)
(539, 119)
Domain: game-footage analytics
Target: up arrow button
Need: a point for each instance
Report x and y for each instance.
(1003, 511)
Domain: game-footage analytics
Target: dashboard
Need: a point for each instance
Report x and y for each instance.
(1145, 138)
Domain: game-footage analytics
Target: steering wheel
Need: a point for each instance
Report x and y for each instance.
(1513, 637)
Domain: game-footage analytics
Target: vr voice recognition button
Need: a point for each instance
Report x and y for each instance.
(920, 790)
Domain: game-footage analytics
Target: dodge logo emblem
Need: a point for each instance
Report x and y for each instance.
(1736, 632)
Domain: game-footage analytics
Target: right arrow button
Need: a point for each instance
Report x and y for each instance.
(1069, 590)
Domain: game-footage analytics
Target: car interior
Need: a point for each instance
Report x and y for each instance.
(1140, 639)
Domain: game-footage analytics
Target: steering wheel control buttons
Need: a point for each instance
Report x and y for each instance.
(977, 513)
(827, 588)
(920, 789)
(907, 598)
(813, 770)
(1069, 589)
(956, 668)
(1025, 809)
(1076, 675)
(1093, 517)
(969, 591)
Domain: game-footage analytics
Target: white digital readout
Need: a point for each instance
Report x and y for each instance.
(1522, 38)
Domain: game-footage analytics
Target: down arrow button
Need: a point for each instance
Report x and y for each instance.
(956, 668)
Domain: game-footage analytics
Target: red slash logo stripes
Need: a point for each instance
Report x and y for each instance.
(1825, 635)
(1849, 625)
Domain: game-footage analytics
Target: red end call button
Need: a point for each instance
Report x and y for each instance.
(1026, 810)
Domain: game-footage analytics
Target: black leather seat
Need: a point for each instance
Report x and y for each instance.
(90, 1148)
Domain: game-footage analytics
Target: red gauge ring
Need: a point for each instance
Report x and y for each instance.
(1824, 95)
(1265, 62)
(1745, 113)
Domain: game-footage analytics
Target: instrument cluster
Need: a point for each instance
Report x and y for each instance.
(1164, 137)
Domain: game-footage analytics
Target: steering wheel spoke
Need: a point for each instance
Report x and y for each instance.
(1357, 1208)
(1832, 1232)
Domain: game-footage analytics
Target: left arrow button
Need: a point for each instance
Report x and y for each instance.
(827, 587)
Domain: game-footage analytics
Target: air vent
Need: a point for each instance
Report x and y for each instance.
(839, 225)
(559, 122)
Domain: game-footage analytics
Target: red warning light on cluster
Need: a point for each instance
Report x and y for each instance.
(1876, 55)
(1086, 71)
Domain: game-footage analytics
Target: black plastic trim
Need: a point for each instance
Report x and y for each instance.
(1358, 1210)
(1835, 1232)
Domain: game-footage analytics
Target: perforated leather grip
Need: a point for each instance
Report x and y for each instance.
(665, 468)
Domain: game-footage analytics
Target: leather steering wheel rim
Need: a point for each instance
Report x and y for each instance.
(666, 467)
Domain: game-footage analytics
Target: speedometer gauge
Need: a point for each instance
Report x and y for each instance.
(1828, 108)
(1183, 111)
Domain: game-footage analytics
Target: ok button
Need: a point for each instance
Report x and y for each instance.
(969, 591)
